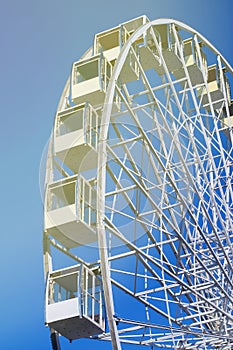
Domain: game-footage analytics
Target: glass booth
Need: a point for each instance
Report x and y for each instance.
(90, 78)
(195, 62)
(70, 213)
(150, 55)
(111, 41)
(74, 302)
(215, 87)
(76, 137)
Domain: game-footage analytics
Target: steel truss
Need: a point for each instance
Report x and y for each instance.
(164, 196)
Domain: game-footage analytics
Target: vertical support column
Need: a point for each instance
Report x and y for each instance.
(55, 340)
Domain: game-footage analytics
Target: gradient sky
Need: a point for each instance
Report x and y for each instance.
(39, 41)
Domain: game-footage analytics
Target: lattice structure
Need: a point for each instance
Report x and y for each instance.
(139, 188)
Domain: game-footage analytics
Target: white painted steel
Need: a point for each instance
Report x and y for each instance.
(163, 211)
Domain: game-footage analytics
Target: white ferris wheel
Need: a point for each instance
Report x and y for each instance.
(138, 239)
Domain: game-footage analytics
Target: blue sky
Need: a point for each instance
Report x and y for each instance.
(39, 41)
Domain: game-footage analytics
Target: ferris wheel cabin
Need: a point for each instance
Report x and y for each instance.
(70, 215)
(90, 78)
(213, 94)
(74, 302)
(195, 62)
(76, 137)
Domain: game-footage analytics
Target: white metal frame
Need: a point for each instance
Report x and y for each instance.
(164, 202)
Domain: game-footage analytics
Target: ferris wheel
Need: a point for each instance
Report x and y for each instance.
(138, 239)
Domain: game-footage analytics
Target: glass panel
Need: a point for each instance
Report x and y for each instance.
(61, 196)
(69, 123)
(86, 202)
(108, 40)
(86, 71)
(86, 217)
(211, 74)
(92, 127)
(108, 71)
(93, 301)
(63, 288)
